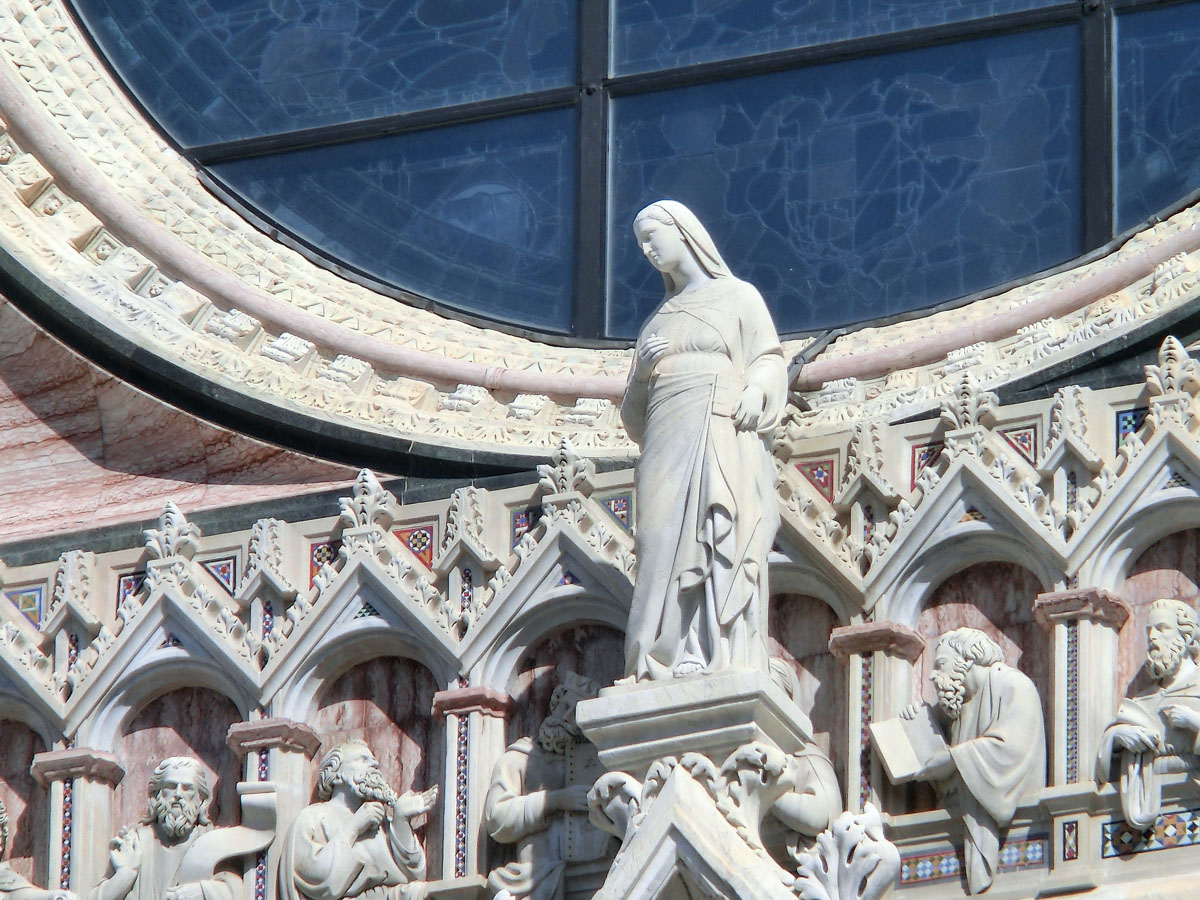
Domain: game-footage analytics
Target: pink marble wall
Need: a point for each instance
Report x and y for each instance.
(592, 650)
(186, 722)
(1168, 568)
(101, 452)
(27, 802)
(387, 702)
(799, 630)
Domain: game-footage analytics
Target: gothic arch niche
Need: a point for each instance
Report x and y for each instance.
(1170, 567)
(26, 801)
(387, 702)
(191, 721)
(798, 634)
(593, 650)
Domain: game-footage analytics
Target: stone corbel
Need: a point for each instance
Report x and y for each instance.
(77, 762)
(1093, 604)
(464, 701)
(892, 638)
(270, 734)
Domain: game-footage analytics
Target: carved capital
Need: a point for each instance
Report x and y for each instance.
(77, 762)
(890, 637)
(463, 701)
(268, 734)
(1095, 604)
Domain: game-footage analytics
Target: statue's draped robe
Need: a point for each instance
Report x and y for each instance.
(998, 743)
(515, 813)
(1140, 787)
(707, 513)
(319, 863)
(12, 882)
(160, 869)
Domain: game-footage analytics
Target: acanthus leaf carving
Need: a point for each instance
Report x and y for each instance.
(1176, 372)
(175, 536)
(567, 472)
(970, 406)
(370, 504)
(73, 581)
(852, 860)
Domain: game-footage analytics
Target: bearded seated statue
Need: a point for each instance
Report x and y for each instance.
(1157, 732)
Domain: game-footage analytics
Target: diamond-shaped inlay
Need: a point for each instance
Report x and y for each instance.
(29, 601)
(820, 474)
(1129, 421)
(420, 539)
(1170, 830)
(1024, 440)
(524, 521)
(129, 584)
(620, 506)
(224, 570)
(921, 868)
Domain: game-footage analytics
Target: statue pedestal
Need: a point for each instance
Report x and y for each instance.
(632, 725)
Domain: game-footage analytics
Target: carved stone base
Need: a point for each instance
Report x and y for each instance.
(633, 725)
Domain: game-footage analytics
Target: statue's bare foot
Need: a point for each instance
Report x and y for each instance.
(688, 667)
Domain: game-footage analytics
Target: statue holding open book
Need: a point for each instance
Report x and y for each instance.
(983, 744)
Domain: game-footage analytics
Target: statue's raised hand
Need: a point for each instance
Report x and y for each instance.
(412, 803)
(367, 818)
(126, 850)
(649, 351)
(1182, 717)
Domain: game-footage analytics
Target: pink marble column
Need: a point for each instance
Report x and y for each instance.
(81, 783)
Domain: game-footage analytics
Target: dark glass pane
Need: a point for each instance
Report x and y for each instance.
(216, 70)
(1158, 110)
(476, 216)
(863, 188)
(659, 34)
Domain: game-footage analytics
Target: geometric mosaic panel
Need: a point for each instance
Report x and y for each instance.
(524, 521)
(129, 584)
(29, 601)
(420, 540)
(224, 570)
(820, 474)
(1032, 852)
(922, 456)
(1179, 829)
(1024, 440)
(319, 554)
(620, 506)
(1129, 421)
(1070, 840)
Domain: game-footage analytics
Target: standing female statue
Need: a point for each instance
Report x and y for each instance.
(707, 384)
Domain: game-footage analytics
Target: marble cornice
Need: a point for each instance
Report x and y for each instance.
(463, 701)
(272, 733)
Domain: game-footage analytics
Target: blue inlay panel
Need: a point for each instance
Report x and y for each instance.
(864, 188)
(1158, 110)
(478, 216)
(216, 70)
(659, 34)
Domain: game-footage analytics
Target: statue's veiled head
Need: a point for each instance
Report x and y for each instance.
(178, 797)
(665, 230)
(1172, 633)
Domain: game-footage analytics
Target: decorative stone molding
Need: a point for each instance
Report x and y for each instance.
(463, 701)
(1095, 604)
(852, 860)
(76, 762)
(271, 733)
(869, 637)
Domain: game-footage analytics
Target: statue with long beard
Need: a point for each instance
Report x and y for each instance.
(358, 842)
(1157, 732)
(145, 861)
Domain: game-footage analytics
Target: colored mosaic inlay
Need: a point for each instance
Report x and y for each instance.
(462, 756)
(28, 601)
(868, 523)
(128, 585)
(1178, 829)
(923, 456)
(524, 521)
(1176, 480)
(68, 813)
(319, 554)
(466, 592)
(568, 577)
(1129, 421)
(366, 611)
(621, 508)
(420, 539)
(1024, 441)
(820, 474)
(923, 868)
(224, 570)
(1070, 840)
(864, 734)
(972, 515)
(1072, 700)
